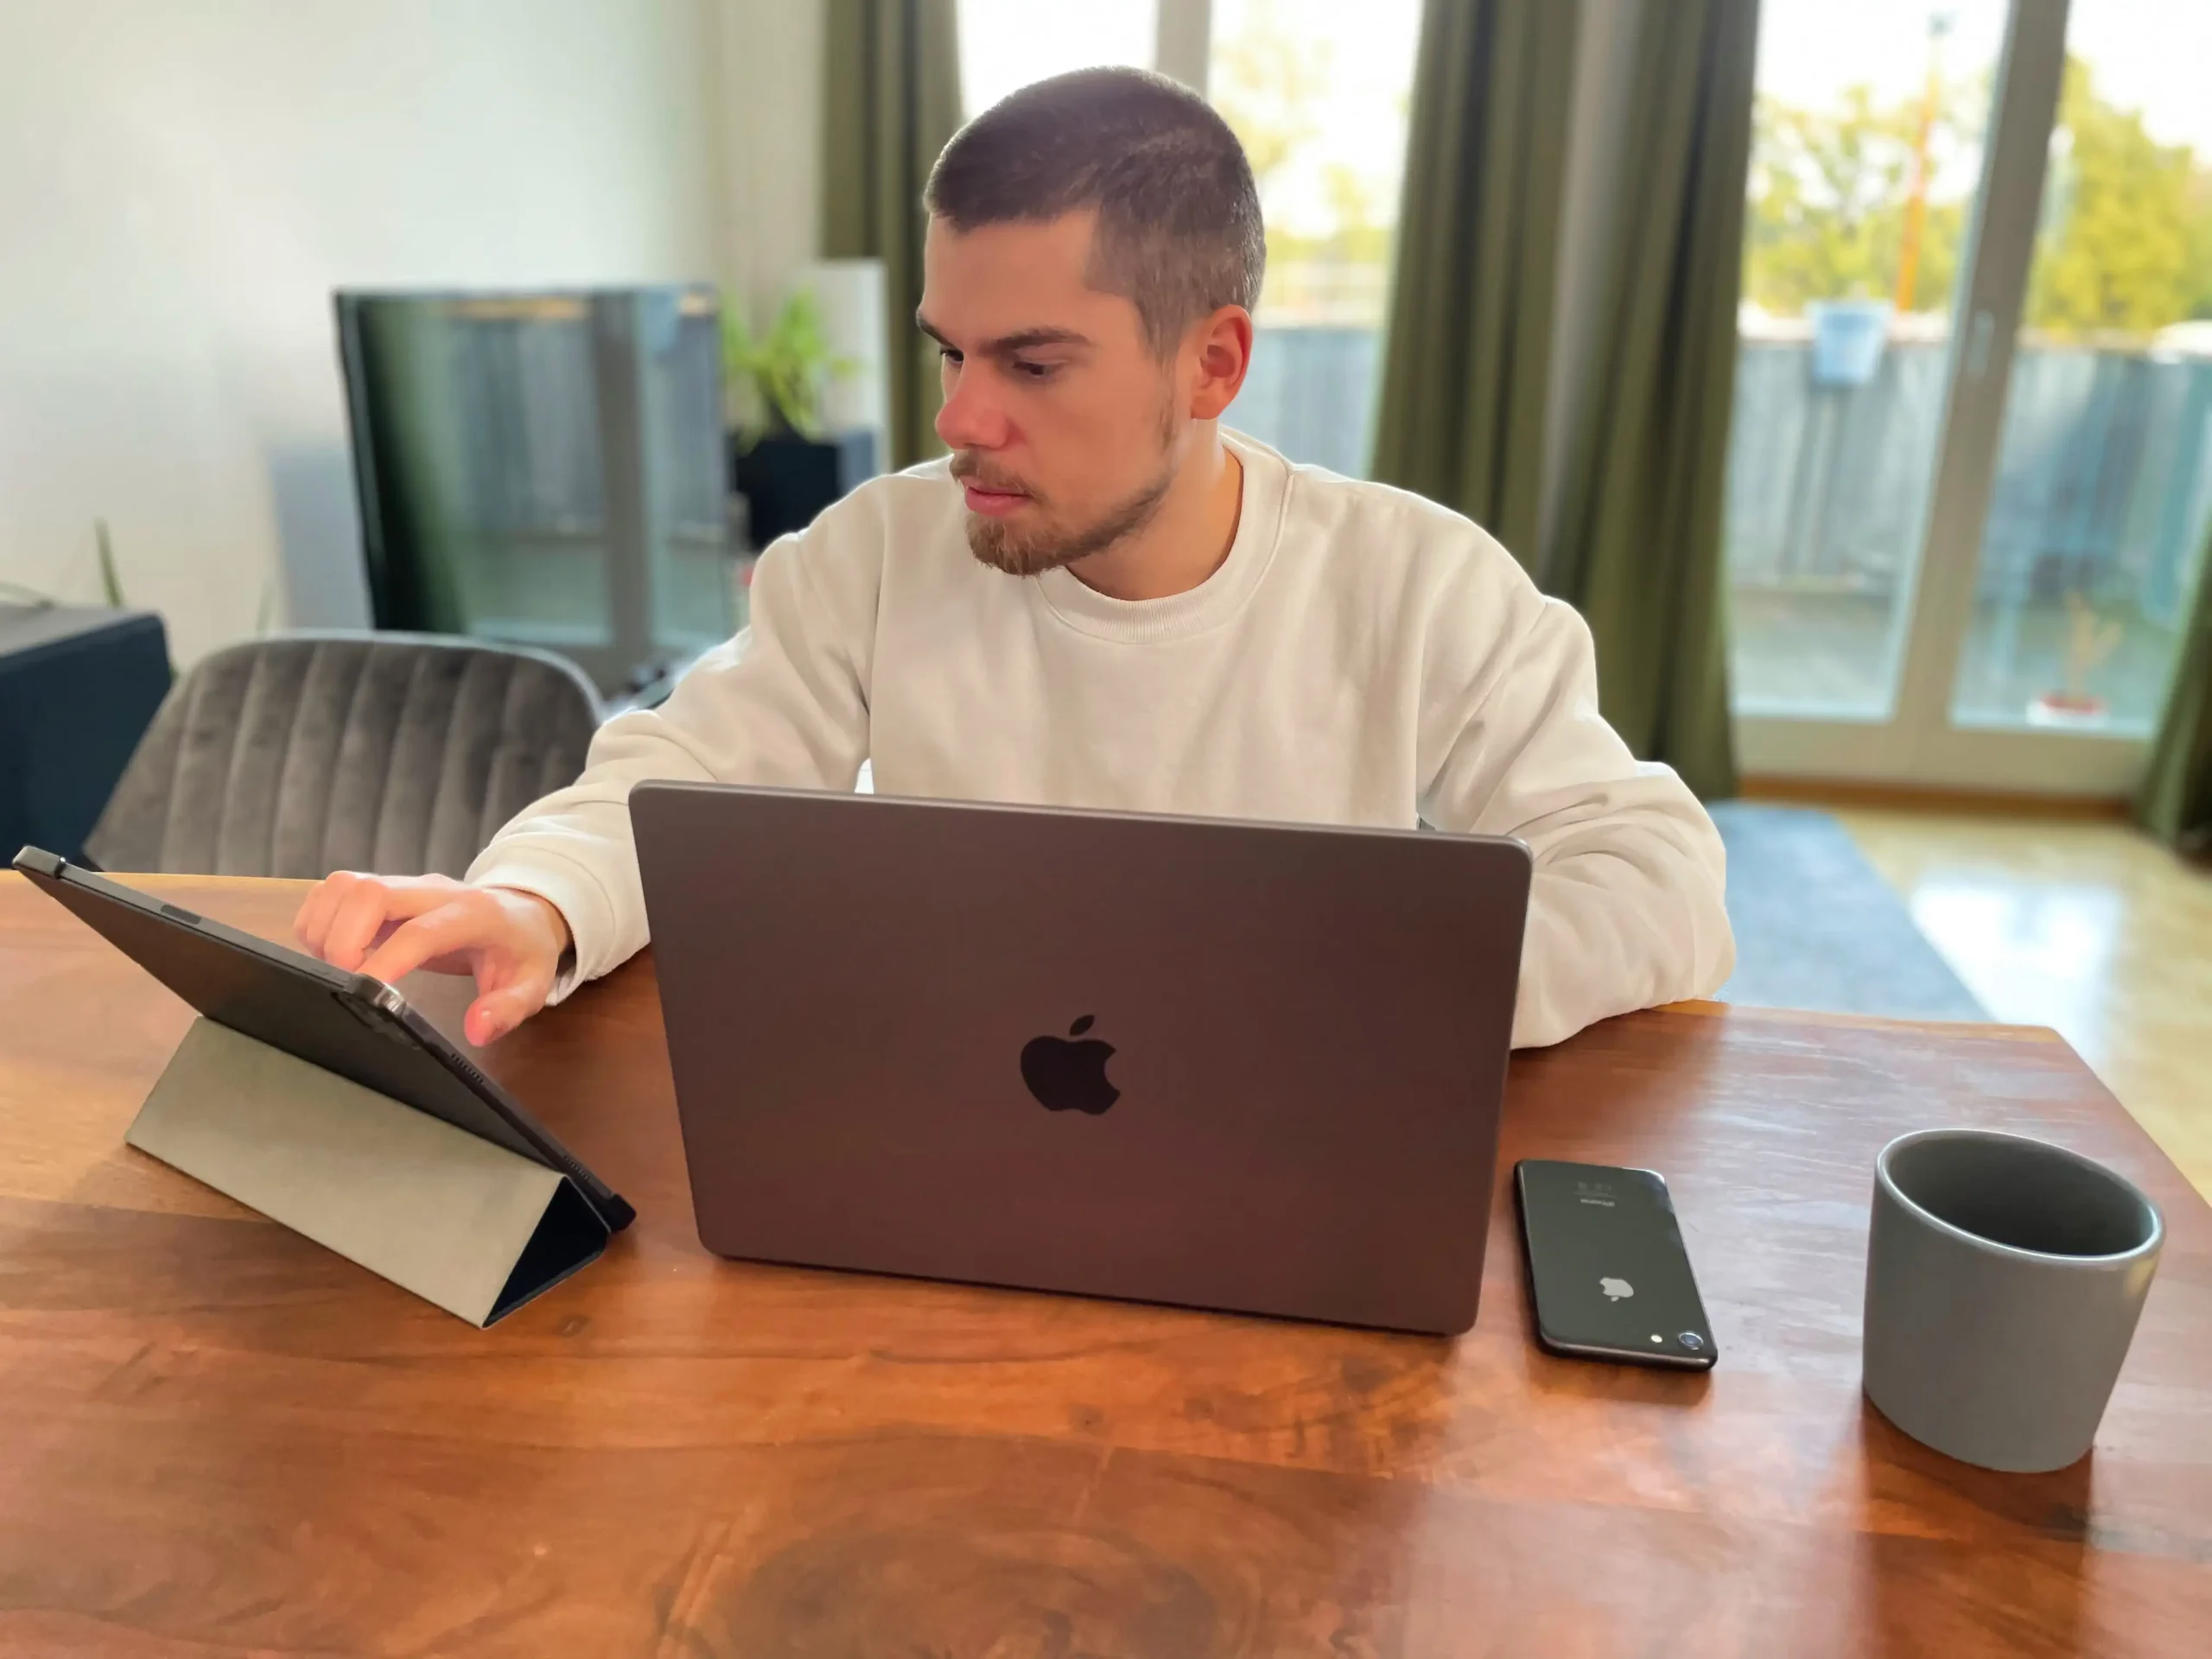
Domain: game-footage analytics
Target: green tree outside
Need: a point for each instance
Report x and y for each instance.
(1267, 80)
(2127, 244)
(1828, 200)
(2122, 254)
(2200, 255)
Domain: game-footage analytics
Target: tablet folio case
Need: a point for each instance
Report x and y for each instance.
(462, 1223)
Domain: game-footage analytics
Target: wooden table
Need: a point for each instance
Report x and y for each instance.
(216, 1438)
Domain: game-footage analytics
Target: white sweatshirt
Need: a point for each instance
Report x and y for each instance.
(1362, 656)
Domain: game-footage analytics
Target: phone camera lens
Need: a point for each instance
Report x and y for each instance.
(1691, 1340)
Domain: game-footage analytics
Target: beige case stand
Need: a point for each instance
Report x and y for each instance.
(462, 1223)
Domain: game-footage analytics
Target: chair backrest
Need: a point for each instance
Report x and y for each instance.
(307, 753)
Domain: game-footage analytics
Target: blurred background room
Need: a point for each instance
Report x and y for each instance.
(390, 390)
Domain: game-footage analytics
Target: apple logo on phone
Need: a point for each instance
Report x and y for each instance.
(1070, 1077)
(1616, 1289)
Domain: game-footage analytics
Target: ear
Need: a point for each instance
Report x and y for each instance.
(1220, 347)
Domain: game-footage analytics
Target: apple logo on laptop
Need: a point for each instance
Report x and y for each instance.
(1616, 1289)
(1069, 1077)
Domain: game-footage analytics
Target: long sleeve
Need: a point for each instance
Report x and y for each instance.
(784, 703)
(1361, 654)
(1626, 910)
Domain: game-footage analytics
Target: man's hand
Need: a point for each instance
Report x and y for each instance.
(387, 926)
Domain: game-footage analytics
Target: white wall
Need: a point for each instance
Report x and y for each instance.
(771, 137)
(182, 184)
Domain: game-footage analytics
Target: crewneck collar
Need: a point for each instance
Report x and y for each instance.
(1213, 601)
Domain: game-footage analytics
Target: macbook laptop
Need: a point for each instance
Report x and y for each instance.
(1243, 1066)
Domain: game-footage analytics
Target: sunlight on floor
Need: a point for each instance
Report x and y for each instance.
(2090, 928)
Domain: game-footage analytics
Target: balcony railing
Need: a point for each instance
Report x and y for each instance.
(2100, 505)
(2096, 520)
(1311, 392)
(2104, 476)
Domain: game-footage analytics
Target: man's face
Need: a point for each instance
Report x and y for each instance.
(1067, 429)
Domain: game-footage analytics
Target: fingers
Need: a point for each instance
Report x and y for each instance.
(388, 926)
(371, 901)
(495, 1013)
(456, 925)
(313, 923)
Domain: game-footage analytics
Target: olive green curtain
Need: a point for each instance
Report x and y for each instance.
(1638, 546)
(1467, 364)
(892, 101)
(2176, 803)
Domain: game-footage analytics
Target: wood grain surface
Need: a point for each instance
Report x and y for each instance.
(216, 1438)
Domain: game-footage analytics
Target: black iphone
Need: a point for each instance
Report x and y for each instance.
(1606, 1266)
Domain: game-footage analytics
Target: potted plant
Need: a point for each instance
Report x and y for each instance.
(783, 463)
(1848, 336)
(2089, 640)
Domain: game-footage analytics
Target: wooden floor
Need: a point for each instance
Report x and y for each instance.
(2087, 926)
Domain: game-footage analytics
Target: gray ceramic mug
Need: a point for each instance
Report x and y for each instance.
(2004, 1276)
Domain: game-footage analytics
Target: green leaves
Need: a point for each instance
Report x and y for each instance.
(2125, 246)
(788, 365)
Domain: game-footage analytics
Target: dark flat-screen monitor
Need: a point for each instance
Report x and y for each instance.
(545, 469)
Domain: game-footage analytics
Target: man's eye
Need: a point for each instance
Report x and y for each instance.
(949, 355)
(1035, 371)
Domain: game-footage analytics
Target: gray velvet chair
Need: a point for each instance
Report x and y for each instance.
(309, 752)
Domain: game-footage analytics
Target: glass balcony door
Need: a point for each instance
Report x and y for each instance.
(2097, 518)
(1318, 93)
(1870, 139)
(1972, 465)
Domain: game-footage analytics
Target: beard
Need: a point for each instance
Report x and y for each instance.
(1049, 546)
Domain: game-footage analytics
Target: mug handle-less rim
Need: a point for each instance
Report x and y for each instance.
(2149, 1247)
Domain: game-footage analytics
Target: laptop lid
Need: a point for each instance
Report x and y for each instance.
(1255, 1067)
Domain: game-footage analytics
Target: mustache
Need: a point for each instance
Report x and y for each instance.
(967, 466)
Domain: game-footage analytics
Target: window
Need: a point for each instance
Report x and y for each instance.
(2104, 478)
(1970, 476)
(1007, 44)
(1844, 352)
(1318, 92)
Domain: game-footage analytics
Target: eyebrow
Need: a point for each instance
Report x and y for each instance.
(1025, 339)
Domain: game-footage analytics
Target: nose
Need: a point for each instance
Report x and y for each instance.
(971, 417)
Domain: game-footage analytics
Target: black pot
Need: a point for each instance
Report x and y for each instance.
(787, 480)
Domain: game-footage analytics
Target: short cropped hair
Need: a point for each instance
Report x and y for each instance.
(1179, 218)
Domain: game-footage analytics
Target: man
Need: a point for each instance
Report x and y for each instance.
(1103, 599)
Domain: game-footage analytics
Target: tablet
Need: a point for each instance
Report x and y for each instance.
(350, 1024)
